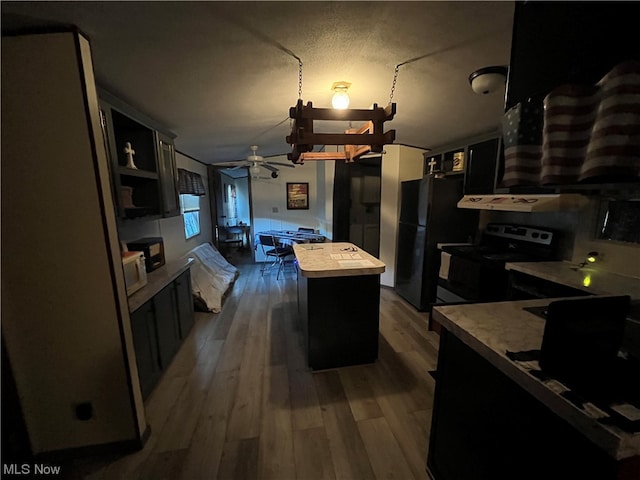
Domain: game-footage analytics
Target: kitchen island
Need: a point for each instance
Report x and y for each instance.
(338, 303)
(494, 418)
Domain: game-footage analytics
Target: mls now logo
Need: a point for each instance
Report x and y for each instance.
(27, 469)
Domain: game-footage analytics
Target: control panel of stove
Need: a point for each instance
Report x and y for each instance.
(518, 232)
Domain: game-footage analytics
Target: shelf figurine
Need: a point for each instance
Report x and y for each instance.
(130, 153)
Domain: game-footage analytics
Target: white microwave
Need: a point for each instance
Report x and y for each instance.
(135, 274)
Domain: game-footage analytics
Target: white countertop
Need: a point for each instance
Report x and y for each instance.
(590, 278)
(340, 259)
(157, 280)
(492, 329)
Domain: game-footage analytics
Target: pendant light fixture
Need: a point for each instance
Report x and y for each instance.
(370, 137)
(340, 100)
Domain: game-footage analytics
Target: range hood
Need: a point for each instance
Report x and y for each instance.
(524, 203)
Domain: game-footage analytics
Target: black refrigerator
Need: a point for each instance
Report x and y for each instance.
(428, 216)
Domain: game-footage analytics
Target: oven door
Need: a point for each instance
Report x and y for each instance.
(464, 279)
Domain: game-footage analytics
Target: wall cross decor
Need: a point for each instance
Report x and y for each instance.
(356, 141)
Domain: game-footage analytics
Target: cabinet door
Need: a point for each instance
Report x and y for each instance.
(168, 176)
(548, 50)
(107, 135)
(481, 167)
(166, 313)
(185, 303)
(143, 327)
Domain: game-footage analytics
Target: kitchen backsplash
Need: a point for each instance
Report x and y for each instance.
(578, 229)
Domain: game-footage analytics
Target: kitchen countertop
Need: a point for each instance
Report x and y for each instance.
(492, 329)
(157, 280)
(340, 259)
(589, 279)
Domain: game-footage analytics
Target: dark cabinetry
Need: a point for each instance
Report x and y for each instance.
(185, 304)
(168, 175)
(482, 159)
(144, 181)
(158, 328)
(476, 161)
(165, 306)
(499, 429)
(143, 327)
(339, 334)
(568, 42)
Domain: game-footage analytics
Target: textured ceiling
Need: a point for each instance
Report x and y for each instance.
(222, 75)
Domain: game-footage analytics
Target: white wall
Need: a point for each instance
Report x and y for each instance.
(269, 211)
(399, 163)
(64, 307)
(172, 229)
(269, 206)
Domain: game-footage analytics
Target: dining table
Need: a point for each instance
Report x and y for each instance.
(291, 237)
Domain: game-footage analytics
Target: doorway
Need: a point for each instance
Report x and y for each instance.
(230, 200)
(356, 203)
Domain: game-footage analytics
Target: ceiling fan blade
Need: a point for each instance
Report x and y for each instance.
(237, 167)
(236, 163)
(290, 165)
(269, 167)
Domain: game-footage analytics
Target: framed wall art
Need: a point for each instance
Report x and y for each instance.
(297, 196)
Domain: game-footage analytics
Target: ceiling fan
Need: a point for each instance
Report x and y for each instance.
(255, 161)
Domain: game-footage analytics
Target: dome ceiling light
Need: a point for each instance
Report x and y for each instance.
(488, 80)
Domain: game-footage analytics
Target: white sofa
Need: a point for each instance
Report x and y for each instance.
(211, 276)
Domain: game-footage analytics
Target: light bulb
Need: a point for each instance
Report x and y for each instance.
(592, 257)
(254, 170)
(340, 100)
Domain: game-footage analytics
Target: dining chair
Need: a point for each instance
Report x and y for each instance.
(277, 252)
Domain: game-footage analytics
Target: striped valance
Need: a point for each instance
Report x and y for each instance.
(190, 183)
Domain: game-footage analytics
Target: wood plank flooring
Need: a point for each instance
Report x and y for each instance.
(238, 401)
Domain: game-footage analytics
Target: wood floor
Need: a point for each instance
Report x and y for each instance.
(238, 401)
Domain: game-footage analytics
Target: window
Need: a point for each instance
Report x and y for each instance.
(619, 220)
(190, 207)
(191, 188)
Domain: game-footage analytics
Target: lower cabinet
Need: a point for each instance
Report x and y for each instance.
(143, 326)
(485, 426)
(158, 327)
(185, 304)
(165, 307)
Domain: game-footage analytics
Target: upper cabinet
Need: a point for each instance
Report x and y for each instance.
(477, 161)
(571, 120)
(143, 162)
(556, 43)
(168, 175)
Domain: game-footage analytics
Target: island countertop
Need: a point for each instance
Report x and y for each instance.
(492, 329)
(340, 259)
(590, 279)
